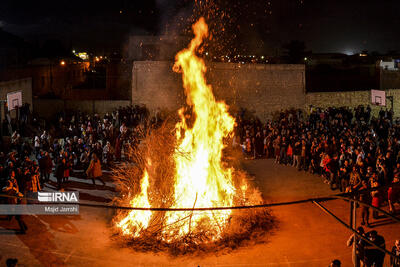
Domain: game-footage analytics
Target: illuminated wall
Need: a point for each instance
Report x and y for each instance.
(261, 88)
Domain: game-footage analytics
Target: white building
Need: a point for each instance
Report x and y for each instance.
(388, 65)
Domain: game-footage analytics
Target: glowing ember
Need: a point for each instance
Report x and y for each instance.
(200, 179)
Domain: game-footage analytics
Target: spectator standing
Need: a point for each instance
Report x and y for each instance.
(375, 194)
(344, 176)
(118, 148)
(33, 184)
(85, 158)
(372, 255)
(364, 198)
(393, 193)
(354, 182)
(37, 146)
(94, 170)
(283, 151)
(358, 248)
(277, 147)
(303, 154)
(12, 189)
(47, 166)
(59, 173)
(296, 154)
(107, 154)
(258, 145)
(394, 262)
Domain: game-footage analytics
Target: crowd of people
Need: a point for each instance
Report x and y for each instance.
(76, 142)
(351, 150)
(364, 254)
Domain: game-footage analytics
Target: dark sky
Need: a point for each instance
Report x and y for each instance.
(238, 25)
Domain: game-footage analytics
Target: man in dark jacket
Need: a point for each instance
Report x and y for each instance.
(372, 255)
(59, 172)
(396, 251)
(48, 166)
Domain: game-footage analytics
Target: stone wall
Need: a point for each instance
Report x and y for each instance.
(352, 99)
(261, 88)
(23, 85)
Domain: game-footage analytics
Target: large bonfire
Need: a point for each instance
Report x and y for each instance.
(182, 167)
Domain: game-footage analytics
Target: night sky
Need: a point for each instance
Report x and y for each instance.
(249, 26)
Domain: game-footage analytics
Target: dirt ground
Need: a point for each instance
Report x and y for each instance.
(305, 235)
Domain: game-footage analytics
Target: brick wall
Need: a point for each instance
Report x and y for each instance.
(260, 88)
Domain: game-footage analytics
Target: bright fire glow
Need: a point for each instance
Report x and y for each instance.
(138, 220)
(200, 180)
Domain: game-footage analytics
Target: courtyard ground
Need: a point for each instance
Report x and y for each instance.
(305, 235)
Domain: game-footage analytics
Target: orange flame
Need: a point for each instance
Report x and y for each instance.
(138, 220)
(201, 180)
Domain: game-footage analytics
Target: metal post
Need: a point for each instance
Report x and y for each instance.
(355, 237)
(351, 223)
(351, 213)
